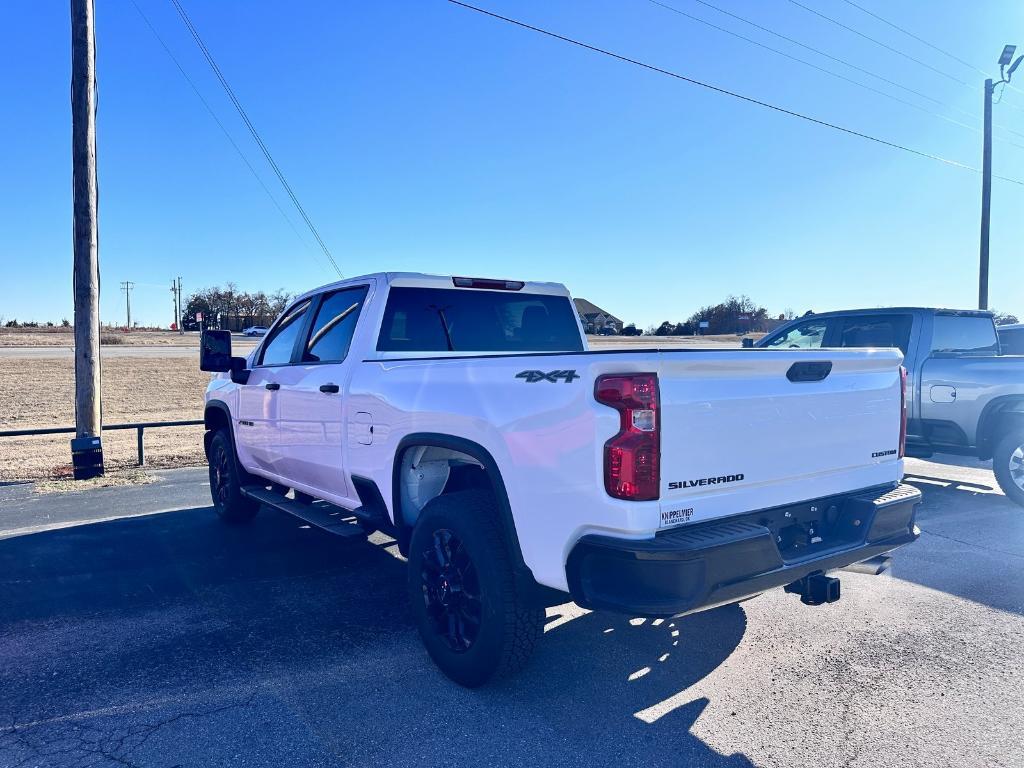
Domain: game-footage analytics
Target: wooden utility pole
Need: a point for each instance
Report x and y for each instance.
(127, 287)
(86, 448)
(180, 308)
(986, 198)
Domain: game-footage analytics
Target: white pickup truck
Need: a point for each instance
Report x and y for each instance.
(517, 469)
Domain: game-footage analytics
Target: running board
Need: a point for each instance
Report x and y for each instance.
(873, 566)
(319, 514)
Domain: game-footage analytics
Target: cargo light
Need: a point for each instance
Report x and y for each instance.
(632, 456)
(483, 282)
(903, 411)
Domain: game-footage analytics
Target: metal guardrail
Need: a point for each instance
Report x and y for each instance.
(138, 426)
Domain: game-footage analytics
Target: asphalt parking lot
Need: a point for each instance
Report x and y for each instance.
(136, 630)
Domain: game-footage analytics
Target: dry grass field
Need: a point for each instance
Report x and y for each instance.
(64, 337)
(39, 392)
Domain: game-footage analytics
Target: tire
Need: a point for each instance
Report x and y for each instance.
(1008, 465)
(225, 487)
(462, 591)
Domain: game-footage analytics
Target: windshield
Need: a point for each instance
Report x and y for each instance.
(460, 320)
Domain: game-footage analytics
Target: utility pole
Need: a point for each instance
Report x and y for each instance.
(127, 288)
(986, 169)
(174, 297)
(181, 331)
(86, 448)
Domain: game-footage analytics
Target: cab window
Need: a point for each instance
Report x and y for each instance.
(335, 322)
(806, 335)
(1011, 341)
(277, 349)
(964, 335)
(875, 331)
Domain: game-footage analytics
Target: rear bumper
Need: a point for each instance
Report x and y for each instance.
(704, 565)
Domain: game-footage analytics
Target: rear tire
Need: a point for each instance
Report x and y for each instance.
(225, 486)
(1008, 465)
(462, 591)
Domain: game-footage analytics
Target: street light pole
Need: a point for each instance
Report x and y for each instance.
(986, 197)
(1005, 76)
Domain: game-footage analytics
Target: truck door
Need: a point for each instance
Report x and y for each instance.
(312, 408)
(256, 431)
(951, 394)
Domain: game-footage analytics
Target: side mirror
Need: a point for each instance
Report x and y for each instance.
(748, 343)
(215, 351)
(215, 355)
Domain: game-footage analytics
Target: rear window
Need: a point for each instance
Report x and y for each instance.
(471, 320)
(964, 334)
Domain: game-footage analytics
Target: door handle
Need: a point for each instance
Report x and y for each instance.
(273, 385)
(330, 389)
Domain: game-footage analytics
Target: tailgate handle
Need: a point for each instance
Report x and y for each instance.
(809, 371)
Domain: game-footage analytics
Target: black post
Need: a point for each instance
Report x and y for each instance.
(986, 198)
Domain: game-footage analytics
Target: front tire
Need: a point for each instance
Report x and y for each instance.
(225, 486)
(463, 594)
(1008, 465)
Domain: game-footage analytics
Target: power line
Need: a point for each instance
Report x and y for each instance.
(844, 62)
(897, 51)
(724, 91)
(921, 40)
(224, 130)
(820, 52)
(252, 129)
(830, 72)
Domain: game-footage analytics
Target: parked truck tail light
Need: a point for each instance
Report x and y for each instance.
(903, 411)
(632, 457)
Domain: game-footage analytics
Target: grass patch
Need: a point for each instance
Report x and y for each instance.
(116, 479)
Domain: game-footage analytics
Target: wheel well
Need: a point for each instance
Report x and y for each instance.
(215, 417)
(425, 472)
(1000, 416)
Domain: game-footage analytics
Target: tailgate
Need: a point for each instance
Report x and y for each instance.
(737, 434)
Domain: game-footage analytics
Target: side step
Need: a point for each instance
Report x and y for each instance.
(873, 566)
(320, 514)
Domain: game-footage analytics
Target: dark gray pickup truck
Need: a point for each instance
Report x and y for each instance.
(963, 395)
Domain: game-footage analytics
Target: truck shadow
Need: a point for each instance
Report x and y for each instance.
(176, 605)
(971, 545)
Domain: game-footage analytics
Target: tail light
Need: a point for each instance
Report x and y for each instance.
(903, 411)
(632, 457)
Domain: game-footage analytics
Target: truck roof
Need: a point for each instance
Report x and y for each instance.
(890, 310)
(423, 280)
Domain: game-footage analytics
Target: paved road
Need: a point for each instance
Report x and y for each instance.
(167, 639)
(240, 343)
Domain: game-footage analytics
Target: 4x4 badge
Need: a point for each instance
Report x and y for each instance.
(532, 377)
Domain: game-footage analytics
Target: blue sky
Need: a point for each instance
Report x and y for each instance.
(421, 136)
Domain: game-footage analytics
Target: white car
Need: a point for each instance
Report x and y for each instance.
(516, 469)
(256, 330)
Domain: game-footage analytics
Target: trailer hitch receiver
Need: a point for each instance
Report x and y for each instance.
(815, 589)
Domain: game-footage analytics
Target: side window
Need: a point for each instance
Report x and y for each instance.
(964, 334)
(277, 350)
(876, 331)
(334, 325)
(808, 335)
(1012, 341)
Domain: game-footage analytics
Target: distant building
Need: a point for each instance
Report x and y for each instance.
(594, 318)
